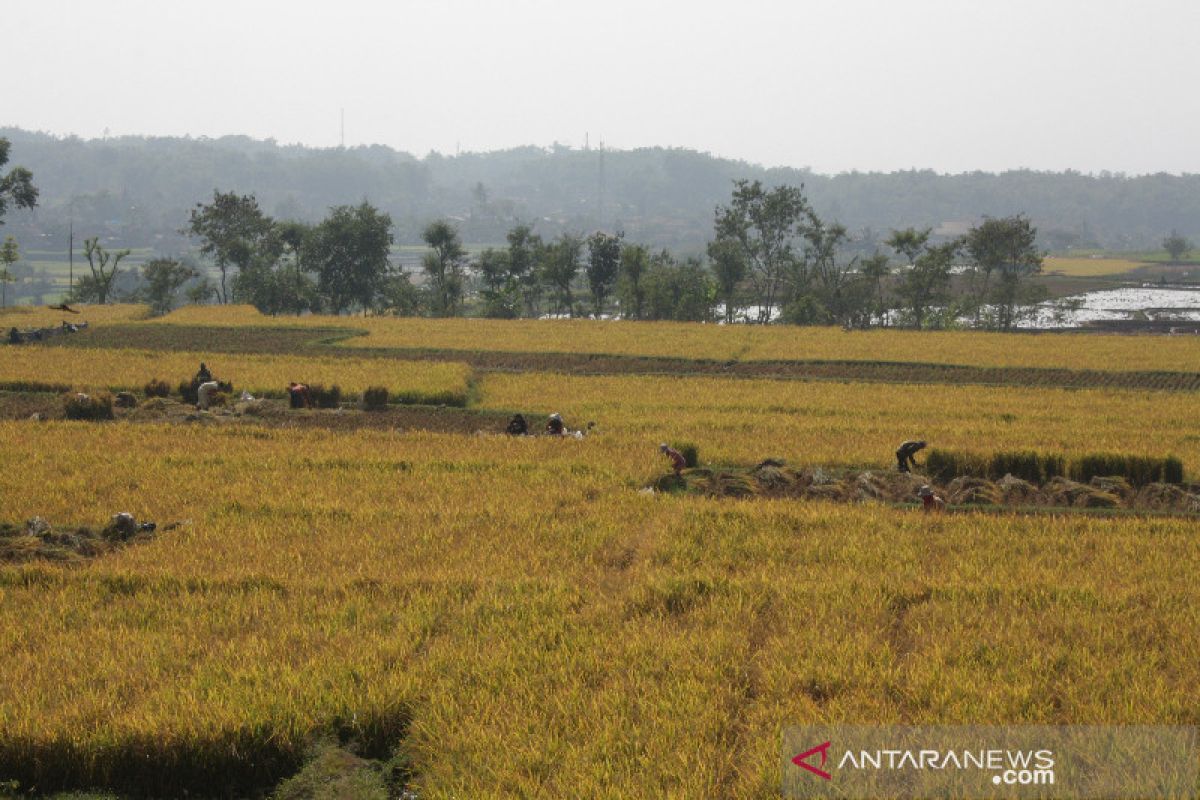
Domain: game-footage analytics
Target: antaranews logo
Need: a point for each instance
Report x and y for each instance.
(1011, 767)
(1018, 761)
(801, 760)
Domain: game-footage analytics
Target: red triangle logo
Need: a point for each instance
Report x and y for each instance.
(802, 760)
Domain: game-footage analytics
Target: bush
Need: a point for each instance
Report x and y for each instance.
(156, 388)
(375, 398)
(91, 407)
(690, 453)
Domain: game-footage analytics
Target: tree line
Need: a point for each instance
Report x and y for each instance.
(771, 259)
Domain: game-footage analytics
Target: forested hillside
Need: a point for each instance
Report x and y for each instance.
(138, 190)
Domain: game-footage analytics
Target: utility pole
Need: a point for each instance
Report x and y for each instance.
(71, 252)
(600, 189)
(343, 128)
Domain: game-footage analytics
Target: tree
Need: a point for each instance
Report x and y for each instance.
(926, 284)
(1174, 244)
(729, 269)
(909, 243)
(604, 264)
(501, 298)
(874, 270)
(524, 252)
(277, 280)
(837, 288)
(9, 255)
(399, 296)
(674, 291)
(200, 292)
(765, 226)
(560, 265)
(232, 230)
(1006, 247)
(164, 278)
(15, 187)
(444, 266)
(349, 252)
(631, 289)
(104, 266)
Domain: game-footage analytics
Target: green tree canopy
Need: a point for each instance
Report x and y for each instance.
(444, 266)
(17, 186)
(603, 266)
(233, 231)
(349, 252)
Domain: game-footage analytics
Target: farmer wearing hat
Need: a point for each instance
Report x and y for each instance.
(929, 500)
(678, 462)
(905, 453)
(555, 426)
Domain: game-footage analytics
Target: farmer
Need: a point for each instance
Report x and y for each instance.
(929, 501)
(905, 453)
(555, 426)
(204, 394)
(678, 462)
(298, 395)
(203, 375)
(14, 336)
(517, 426)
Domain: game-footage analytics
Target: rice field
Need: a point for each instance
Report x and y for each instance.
(1090, 267)
(1109, 352)
(492, 617)
(521, 622)
(23, 317)
(745, 421)
(117, 370)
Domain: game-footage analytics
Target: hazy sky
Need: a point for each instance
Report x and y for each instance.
(835, 85)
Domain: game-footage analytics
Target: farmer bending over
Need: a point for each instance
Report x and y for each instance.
(517, 426)
(678, 462)
(298, 395)
(204, 394)
(555, 426)
(905, 453)
(929, 501)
